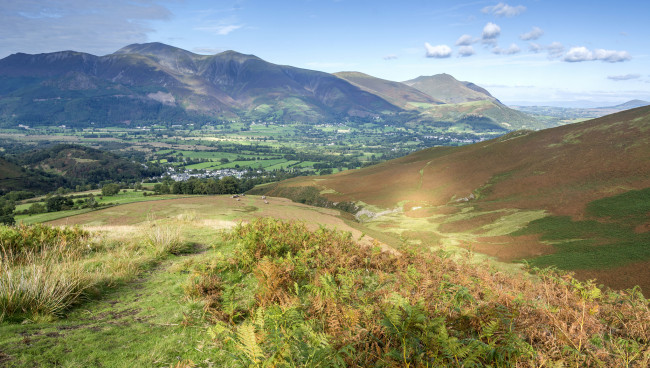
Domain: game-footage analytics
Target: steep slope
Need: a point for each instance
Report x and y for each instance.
(399, 94)
(506, 197)
(155, 81)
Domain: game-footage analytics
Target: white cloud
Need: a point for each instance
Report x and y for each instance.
(438, 51)
(612, 56)
(534, 34)
(504, 10)
(491, 32)
(555, 49)
(624, 77)
(390, 57)
(221, 29)
(513, 49)
(465, 51)
(535, 47)
(579, 54)
(465, 40)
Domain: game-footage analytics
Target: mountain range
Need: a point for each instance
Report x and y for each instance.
(158, 82)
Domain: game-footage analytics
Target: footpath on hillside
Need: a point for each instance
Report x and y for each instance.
(144, 323)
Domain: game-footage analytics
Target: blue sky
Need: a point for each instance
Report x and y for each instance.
(534, 52)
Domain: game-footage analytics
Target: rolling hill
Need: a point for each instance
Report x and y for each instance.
(467, 103)
(448, 89)
(83, 164)
(399, 94)
(14, 177)
(155, 81)
(575, 197)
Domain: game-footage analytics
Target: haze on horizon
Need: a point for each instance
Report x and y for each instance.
(578, 53)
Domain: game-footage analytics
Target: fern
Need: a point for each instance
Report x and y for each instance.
(246, 342)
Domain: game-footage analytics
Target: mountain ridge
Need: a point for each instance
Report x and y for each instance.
(227, 84)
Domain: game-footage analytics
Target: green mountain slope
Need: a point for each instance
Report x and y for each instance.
(448, 89)
(13, 177)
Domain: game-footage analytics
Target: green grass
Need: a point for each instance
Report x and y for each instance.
(48, 216)
(143, 323)
(605, 241)
(281, 165)
(630, 206)
(129, 196)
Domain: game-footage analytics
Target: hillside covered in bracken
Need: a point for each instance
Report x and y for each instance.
(574, 196)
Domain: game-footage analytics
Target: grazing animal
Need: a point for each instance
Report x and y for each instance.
(266, 202)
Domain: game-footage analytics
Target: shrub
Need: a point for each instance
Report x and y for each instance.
(289, 296)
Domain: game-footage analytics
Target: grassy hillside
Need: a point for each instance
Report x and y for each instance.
(445, 88)
(179, 283)
(481, 115)
(505, 197)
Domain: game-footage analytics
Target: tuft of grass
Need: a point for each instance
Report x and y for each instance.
(39, 272)
(45, 289)
(165, 238)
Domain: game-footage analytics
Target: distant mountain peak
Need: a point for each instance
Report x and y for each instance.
(151, 48)
(237, 56)
(631, 104)
(446, 88)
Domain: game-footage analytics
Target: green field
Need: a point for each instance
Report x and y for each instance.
(122, 197)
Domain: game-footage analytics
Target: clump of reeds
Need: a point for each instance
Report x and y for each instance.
(39, 270)
(165, 238)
